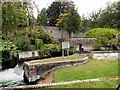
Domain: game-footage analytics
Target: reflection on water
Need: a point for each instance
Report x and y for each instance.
(12, 77)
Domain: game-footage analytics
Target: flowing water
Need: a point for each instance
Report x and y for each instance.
(12, 77)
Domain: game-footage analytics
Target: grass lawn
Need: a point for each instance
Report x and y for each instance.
(71, 57)
(91, 69)
(101, 84)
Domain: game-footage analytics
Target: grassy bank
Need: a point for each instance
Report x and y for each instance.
(71, 57)
(92, 69)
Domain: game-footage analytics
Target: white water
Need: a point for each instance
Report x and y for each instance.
(11, 77)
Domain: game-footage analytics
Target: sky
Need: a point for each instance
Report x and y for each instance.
(83, 6)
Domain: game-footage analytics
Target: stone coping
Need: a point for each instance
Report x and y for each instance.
(32, 62)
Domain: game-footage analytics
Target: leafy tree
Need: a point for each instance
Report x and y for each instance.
(85, 24)
(61, 21)
(72, 22)
(93, 18)
(42, 18)
(105, 37)
(110, 16)
(22, 44)
(14, 15)
(69, 21)
(55, 10)
(106, 18)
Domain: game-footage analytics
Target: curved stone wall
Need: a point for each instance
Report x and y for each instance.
(34, 71)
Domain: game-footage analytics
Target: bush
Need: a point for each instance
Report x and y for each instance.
(49, 50)
(9, 55)
(47, 39)
(105, 37)
(38, 43)
(39, 33)
(22, 44)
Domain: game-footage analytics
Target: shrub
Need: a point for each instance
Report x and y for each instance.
(49, 50)
(52, 47)
(22, 44)
(9, 55)
(38, 43)
(105, 37)
(39, 33)
(47, 39)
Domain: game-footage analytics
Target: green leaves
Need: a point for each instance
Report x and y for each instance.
(69, 21)
(42, 18)
(55, 10)
(105, 37)
(14, 15)
(22, 43)
(106, 18)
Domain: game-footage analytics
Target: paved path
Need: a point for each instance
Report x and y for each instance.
(61, 83)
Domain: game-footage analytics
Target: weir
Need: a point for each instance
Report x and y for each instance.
(34, 71)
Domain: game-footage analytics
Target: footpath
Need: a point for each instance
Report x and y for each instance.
(61, 83)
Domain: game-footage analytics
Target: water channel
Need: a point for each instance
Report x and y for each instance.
(12, 77)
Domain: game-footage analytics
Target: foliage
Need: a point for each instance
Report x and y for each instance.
(38, 43)
(55, 10)
(52, 47)
(13, 16)
(85, 24)
(93, 19)
(42, 18)
(72, 22)
(22, 43)
(60, 21)
(110, 16)
(105, 37)
(106, 18)
(69, 21)
(8, 51)
(39, 33)
(49, 50)
(47, 39)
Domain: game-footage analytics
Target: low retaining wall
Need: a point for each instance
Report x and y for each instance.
(33, 72)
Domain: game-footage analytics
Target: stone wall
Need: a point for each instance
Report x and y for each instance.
(28, 54)
(53, 31)
(34, 71)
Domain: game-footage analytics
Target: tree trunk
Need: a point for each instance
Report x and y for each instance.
(69, 34)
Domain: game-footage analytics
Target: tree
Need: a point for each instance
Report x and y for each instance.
(69, 21)
(106, 18)
(93, 18)
(42, 18)
(61, 21)
(55, 10)
(13, 15)
(72, 22)
(85, 24)
(110, 16)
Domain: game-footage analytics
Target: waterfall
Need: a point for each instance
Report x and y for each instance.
(12, 76)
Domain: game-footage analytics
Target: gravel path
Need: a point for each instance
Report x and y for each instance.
(61, 83)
